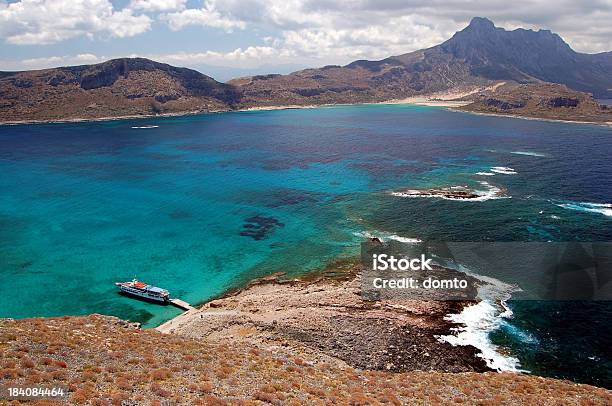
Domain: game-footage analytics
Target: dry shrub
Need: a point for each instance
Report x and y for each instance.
(89, 376)
(10, 364)
(265, 397)
(212, 400)
(8, 373)
(161, 374)
(159, 391)
(123, 383)
(224, 371)
(118, 398)
(81, 396)
(26, 362)
(358, 399)
(60, 364)
(315, 391)
(206, 387)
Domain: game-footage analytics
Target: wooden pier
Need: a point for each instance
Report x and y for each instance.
(181, 304)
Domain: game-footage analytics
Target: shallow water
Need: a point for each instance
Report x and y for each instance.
(202, 204)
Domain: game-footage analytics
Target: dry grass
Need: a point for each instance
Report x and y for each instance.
(105, 362)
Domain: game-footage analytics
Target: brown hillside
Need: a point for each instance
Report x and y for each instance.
(120, 87)
(105, 361)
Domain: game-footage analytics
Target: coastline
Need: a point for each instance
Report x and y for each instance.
(450, 105)
(552, 120)
(112, 118)
(324, 313)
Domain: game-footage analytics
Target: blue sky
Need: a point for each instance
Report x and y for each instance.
(227, 38)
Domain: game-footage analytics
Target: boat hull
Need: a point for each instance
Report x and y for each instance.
(143, 295)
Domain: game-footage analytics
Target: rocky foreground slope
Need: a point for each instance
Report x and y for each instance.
(227, 353)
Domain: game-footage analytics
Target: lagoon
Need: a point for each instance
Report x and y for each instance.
(203, 204)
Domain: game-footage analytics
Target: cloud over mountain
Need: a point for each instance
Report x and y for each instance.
(297, 31)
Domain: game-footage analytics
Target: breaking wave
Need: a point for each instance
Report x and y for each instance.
(504, 170)
(491, 192)
(601, 208)
(528, 153)
(144, 127)
(477, 321)
(384, 236)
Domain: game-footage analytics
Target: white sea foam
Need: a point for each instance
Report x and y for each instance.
(477, 321)
(490, 192)
(384, 236)
(504, 170)
(144, 127)
(528, 153)
(601, 208)
(485, 173)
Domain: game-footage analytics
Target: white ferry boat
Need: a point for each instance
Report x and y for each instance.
(144, 291)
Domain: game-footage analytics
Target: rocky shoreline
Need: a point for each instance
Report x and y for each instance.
(458, 106)
(325, 315)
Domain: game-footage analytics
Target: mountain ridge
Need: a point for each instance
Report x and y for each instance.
(118, 87)
(469, 62)
(473, 57)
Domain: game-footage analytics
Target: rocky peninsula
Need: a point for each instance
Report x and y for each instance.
(281, 342)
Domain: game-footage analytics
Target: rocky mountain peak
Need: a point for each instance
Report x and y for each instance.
(480, 24)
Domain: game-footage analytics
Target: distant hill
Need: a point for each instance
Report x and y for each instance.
(539, 100)
(474, 56)
(119, 87)
(474, 59)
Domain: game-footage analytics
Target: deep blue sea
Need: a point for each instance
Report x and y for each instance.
(203, 204)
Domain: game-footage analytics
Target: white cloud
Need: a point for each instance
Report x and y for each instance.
(338, 28)
(38, 63)
(48, 21)
(157, 5)
(309, 32)
(51, 62)
(251, 57)
(207, 16)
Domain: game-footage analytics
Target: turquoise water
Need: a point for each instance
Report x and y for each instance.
(203, 204)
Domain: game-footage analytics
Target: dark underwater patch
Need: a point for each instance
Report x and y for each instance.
(179, 214)
(281, 197)
(290, 197)
(258, 227)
